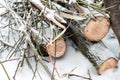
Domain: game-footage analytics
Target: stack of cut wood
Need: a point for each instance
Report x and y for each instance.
(88, 41)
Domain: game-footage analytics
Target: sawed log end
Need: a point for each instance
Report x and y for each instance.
(108, 64)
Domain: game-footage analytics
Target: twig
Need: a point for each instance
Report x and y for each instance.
(77, 7)
(16, 70)
(17, 58)
(38, 57)
(70, 74)
(52, 16)
(89, 74)
(93, 6)
(49, 14)
(54, 67)
(20, 64)
(15, 47)
(33, 69)
(58, 36)
(79, 76)
(23, 29)
(29, 64)
(5, 70)
(36, 71)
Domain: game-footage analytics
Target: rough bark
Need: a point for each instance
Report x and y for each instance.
(114, 9)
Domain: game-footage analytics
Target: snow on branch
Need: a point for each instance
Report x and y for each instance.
(49, 14)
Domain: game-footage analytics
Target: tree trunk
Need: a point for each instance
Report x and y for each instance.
(114, 9)
(96, 52)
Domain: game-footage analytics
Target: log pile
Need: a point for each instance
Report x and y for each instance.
(87, 39)
(101, 57)
(90, 44)
(64, 20)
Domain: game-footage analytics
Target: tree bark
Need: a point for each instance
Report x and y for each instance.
(96, 52)
(114, 9)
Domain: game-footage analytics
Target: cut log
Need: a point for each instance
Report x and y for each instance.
(109, 63)
(97, 28)
(114, 9)
(57, 48)
(102, 58)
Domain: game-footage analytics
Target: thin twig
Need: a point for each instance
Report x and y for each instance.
(32, 68)
(20, 64)
(36, 71)
(54, 67)
(89, 75)
(5, 70)
(15, 47)
(79, 76)
(17, 58)
(69, 72)
(38, 57)
(16, 70)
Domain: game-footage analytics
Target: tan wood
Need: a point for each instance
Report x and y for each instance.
(96, 28)
(57, 48)
(108, 64)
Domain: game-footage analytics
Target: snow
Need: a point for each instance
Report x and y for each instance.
(112, 43)
(72, 59)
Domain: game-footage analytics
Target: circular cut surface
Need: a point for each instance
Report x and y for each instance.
(108, 64)
(97, 29)
(57, 48)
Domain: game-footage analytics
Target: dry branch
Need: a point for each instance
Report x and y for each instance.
(49, 14)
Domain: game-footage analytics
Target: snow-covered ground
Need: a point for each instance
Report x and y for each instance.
(72, 62)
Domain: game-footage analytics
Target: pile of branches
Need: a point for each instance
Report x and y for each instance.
(38, 28)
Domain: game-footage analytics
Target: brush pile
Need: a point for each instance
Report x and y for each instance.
(39, 28)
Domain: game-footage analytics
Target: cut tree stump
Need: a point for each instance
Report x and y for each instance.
(101, 57)
(114, 9)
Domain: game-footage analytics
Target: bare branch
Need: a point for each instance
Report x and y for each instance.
(49, 14)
